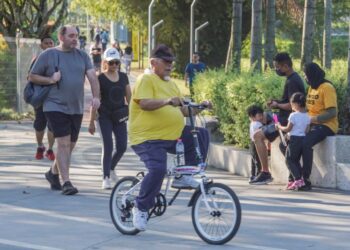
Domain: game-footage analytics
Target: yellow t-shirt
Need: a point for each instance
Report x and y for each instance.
(165, 123)
(320, 99)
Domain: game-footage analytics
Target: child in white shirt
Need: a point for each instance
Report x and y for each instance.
(298, 125)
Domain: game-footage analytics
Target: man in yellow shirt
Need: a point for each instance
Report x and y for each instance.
(321, 103)
(156, 121)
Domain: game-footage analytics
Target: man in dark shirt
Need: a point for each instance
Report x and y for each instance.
(284, 67)
(192, 69)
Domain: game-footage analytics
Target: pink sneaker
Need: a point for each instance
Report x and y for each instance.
(289, 184)
(297, 184)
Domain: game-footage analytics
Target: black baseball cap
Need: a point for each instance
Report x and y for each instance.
(163, 52)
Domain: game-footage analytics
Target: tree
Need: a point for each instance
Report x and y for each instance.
(270, 48)
(349, 64)
(327, 48)
(308, 32)
(256, 36)
(233, 59)
(33, 18)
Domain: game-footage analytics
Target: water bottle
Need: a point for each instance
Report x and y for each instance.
(180, 153)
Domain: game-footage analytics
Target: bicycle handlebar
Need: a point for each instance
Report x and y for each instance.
(195, 105)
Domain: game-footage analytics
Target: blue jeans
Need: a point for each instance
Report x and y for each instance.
(154, 154)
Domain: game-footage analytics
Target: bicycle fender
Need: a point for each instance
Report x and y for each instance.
(193, 198)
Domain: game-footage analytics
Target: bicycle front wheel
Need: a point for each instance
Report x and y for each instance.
(121, 214)
(220, 223)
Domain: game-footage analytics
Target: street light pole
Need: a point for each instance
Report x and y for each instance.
(154, 33)
(196, 34)
(149, 27)
(191, 31)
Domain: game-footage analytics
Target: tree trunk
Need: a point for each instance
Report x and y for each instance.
(327, 49)
(233, 60)
(308, 31)
(256, 35)
(270, 47)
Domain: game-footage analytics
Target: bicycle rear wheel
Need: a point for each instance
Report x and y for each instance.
(219, 225)
(122, 215)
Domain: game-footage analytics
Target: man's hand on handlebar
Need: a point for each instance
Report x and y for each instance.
(175, 101)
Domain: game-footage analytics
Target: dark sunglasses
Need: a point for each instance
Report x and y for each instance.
(110, 63)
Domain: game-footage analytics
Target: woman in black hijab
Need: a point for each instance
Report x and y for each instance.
(321, 103)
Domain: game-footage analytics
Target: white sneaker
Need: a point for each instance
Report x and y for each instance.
(113, 176)
(139, 219)
(106, 183)
(185, 181)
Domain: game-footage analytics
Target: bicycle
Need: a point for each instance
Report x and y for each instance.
(216, 210)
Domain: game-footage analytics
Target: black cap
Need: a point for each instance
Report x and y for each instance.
(163, 52)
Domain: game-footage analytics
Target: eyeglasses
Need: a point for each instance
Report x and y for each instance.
(116, 62)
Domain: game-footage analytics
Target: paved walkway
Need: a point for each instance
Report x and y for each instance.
(34, 217)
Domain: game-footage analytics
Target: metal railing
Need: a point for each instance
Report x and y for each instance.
(16, 55)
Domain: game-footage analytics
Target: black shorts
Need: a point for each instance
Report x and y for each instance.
(63, 124)
(270, 132)
(40, 121)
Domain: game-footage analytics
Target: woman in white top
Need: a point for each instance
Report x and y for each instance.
(298, 124)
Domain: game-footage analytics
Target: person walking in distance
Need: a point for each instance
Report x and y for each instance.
(96, 53)
(127, 58)
(112, 114)
(192, 69)
(65, 67)
(40, 121)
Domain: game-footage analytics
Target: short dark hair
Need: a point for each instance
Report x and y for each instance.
(283, 58)
(298, 98)
(253, 110)
(45, 37)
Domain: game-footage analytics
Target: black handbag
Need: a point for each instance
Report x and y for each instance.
(121, 115)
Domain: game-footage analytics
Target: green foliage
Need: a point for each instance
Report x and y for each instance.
(339, 46)
(337, 75)
(8, 75)
(232, 93)
(10, 114)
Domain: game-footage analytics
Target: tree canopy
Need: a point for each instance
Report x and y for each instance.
(33, 18)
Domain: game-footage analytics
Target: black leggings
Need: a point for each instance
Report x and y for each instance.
(107, 127)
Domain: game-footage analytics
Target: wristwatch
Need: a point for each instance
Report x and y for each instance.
(170, 102)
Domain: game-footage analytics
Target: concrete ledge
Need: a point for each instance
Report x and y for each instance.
(234, 160)
(331, 163)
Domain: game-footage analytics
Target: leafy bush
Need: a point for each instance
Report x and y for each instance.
(232, 93)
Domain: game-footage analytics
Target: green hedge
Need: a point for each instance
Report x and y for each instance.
(232, 93)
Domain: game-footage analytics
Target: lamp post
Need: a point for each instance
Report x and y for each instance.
(154, 33)
(196, 34)
(191, 29)
(18, 70)
(150, 27)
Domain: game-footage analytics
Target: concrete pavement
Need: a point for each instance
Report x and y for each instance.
(34, 217)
